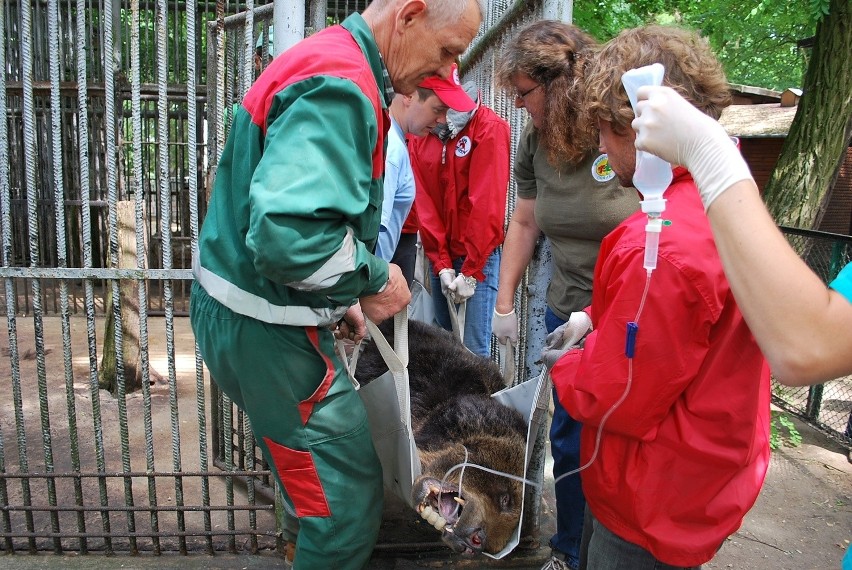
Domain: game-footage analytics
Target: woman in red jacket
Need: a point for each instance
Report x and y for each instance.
(675, 412)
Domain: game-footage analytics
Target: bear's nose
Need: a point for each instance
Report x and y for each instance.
(477, 538)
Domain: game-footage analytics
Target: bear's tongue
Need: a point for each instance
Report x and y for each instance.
(447, 507)
(450, 506)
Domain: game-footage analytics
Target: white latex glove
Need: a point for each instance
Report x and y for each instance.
(505, 327)
(462, 288)
(446, 276)
(669, 126)
(565, 337)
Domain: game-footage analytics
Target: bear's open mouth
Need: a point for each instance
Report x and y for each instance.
(441, 507)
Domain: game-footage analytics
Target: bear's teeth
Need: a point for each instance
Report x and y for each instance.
(459, 500)
(431, 516)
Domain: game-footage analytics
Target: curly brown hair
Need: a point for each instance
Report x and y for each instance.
(554, 54)
(691, 69)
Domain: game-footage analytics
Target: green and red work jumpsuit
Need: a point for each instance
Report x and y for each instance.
(285, 249)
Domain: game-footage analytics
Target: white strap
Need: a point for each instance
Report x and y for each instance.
(349, 364)
(457, 317)
(397, 359)
(507, 359)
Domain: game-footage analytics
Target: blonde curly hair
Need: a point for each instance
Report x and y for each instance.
(691, 69)
(554, 54)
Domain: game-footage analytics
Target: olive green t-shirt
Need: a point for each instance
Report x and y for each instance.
(576, 206)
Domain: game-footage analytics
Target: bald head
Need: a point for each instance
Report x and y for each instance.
(443, 11)
(419, 38)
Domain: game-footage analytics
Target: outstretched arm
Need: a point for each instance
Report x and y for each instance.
(521, 237)
(518, 250)
(803, 327)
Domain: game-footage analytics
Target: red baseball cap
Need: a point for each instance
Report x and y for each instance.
(450, 91)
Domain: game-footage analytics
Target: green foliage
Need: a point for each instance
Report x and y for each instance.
(756, 42)
(818, 9)
(783, 431)
(175, 48)
(604, 19)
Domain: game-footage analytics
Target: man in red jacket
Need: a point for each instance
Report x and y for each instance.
(676, 418)
(462, 175)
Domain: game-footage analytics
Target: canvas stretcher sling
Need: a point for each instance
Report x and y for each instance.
(388, 403)
(387, 400)
(531, 398)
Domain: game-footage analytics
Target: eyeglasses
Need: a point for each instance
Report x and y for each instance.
(523, 95)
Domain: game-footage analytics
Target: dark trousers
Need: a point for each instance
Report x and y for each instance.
(565, 449)
(603, 550)
(406, 256)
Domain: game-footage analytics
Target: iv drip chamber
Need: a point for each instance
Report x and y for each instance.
(652, 174)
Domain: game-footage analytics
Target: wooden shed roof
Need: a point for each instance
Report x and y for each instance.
(757, 121)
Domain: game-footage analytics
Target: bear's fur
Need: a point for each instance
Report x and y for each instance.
(454, 419)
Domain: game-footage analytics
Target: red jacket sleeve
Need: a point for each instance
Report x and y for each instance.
(671, 343)
(487, 187)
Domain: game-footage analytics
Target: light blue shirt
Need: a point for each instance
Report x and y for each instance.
(843, 282)
(399, 193)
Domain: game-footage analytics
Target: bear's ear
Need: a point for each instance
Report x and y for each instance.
(505, 501)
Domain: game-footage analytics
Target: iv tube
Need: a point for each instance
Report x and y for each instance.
(652, 174)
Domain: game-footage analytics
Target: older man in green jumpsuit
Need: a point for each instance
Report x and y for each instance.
(286, 252)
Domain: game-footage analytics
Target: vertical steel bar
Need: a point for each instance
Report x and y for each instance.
(94, 389)
(318, 11)
(225, 59)
(139, 196)
(165, 234)
(250, 464)
(193, 162)
(111, 124)
(30, 184)
(228, 422)
(112, 32)
(221, 99)
(248, 49)
(62, 261)
(224, 89)
(289, 20)
(9, 284)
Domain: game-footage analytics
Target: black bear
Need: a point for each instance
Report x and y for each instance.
(454, 420)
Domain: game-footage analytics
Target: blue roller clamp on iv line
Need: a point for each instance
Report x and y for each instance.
(653, 174)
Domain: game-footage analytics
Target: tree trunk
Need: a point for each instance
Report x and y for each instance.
(798, 189)
(129, 303)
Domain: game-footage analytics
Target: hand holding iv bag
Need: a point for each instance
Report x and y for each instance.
(652, 174)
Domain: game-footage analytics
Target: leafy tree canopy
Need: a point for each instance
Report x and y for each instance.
(756, 41)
